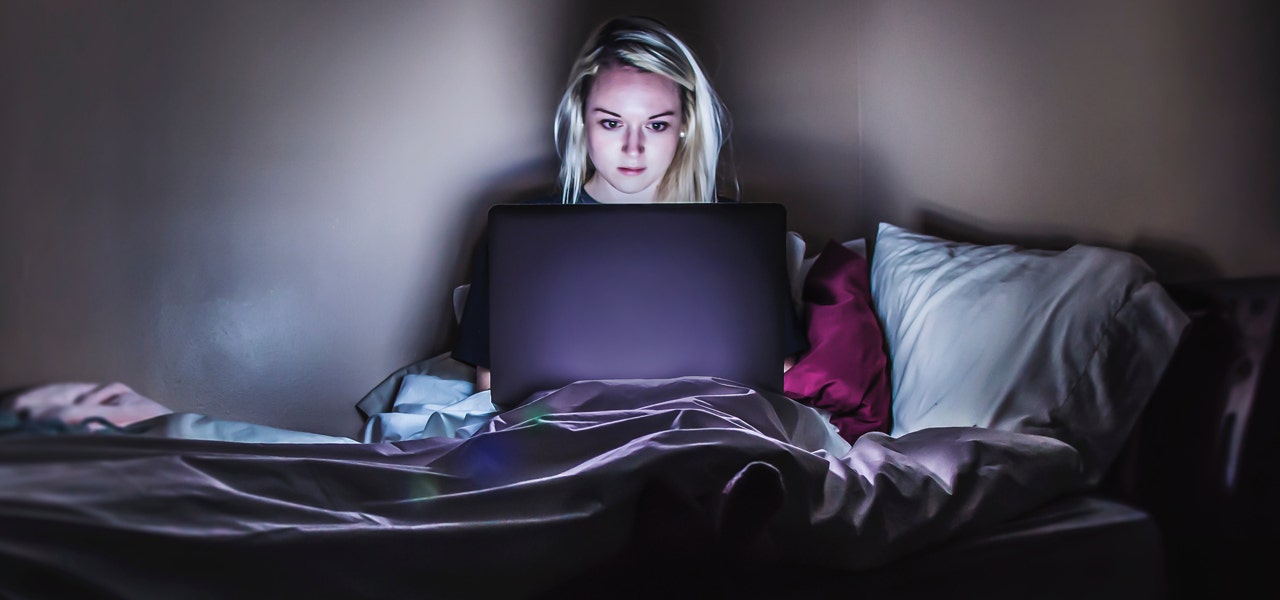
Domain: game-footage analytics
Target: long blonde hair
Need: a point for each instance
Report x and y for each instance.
(648, 45)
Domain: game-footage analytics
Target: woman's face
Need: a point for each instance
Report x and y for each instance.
(633, 123)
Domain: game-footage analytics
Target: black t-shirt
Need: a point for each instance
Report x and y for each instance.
(473, 331)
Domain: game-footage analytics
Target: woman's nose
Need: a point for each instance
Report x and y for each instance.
(633, 142)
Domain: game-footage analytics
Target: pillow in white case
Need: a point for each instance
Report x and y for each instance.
(1066, 344)
(795, 257)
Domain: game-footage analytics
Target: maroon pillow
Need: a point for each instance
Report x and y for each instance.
(845, 371)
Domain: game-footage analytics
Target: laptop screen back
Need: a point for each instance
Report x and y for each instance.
(635, 291)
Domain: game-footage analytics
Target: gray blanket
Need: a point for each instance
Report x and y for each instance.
(537, 496)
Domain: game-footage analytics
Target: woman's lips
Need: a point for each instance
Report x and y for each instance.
(630, 170)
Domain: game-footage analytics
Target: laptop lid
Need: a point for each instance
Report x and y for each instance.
(635, 291)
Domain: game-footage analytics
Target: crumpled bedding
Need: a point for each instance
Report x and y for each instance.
(74, 403)
(533, 497)
(430, 398)
(77, 407)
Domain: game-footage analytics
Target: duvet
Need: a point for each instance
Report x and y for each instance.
(524, 502)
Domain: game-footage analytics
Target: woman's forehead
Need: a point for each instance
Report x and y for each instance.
(625, 89)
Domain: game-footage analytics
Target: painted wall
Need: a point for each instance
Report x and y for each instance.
(257, 210)
(1143, 125)
(254, 210)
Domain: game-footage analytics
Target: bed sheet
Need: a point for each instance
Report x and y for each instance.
(538, 494)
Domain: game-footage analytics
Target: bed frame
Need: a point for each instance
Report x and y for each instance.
(1203, 459)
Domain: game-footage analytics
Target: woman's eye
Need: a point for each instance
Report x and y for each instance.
(659, 126)
(610, 124)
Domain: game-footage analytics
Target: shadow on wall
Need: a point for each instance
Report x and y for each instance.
(882, 200)
(515, 184)
(1171, 260)
(816, 180)
(695, 23)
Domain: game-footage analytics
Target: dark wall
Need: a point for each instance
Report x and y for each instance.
(1147, 126)
(257, 210)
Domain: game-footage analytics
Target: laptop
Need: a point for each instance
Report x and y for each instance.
(635, 291)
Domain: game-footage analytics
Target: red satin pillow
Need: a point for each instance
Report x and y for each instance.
(845, 371)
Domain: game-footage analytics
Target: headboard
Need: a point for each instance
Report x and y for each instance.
(1202, 459)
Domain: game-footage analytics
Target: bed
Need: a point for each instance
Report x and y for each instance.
(1012, 462)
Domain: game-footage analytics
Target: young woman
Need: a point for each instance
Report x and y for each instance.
(638, 123)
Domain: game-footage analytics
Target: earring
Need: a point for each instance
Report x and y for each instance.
(681, 134)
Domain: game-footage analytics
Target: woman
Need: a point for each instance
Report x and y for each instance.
(638, 123)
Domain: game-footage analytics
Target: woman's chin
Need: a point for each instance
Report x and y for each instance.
(627, 187)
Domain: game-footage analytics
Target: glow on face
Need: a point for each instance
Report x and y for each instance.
(633, 124)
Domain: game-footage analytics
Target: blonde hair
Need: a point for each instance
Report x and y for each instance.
(648, 45)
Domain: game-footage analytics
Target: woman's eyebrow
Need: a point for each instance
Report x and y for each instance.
(664, 114)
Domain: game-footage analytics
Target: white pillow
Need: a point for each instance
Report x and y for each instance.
(1066, 344)
(795, 257)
